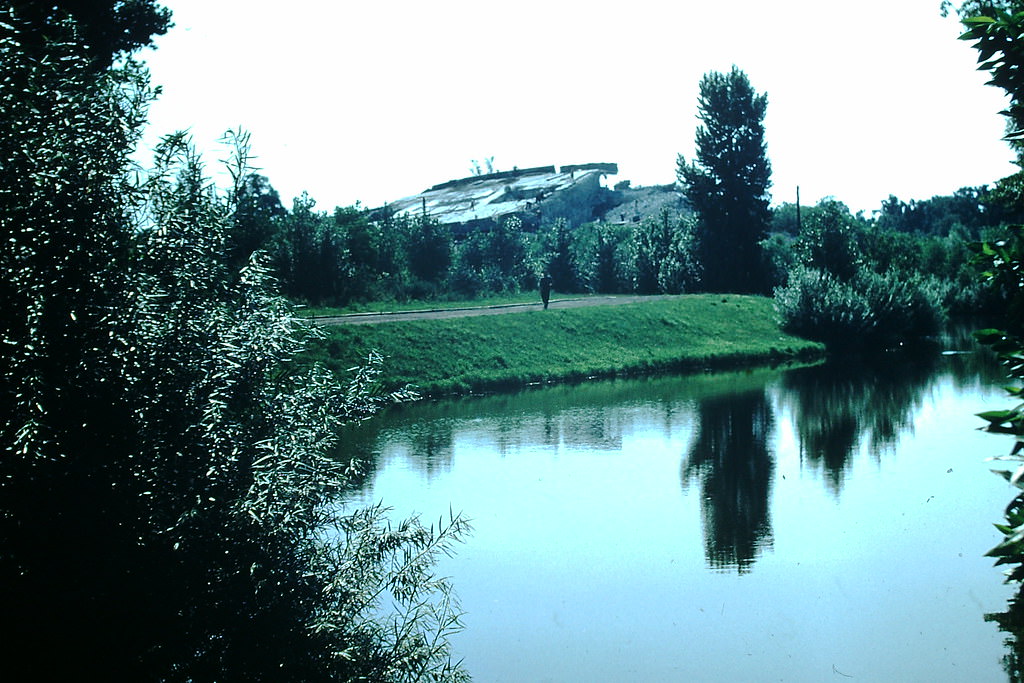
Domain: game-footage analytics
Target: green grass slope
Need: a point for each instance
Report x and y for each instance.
(487, 352)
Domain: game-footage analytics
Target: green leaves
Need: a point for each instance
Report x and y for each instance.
(999, 416)
(996, 37)
(1003, 420)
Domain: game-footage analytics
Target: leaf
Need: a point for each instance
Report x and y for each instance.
(1015, 479)
(988, 336)
(998, 416)
(1005, 474)
(1010, 546)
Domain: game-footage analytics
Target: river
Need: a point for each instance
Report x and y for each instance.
(808, 524)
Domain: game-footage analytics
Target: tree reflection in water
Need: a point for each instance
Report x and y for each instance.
(836, 409)
(730, 460)
(1011, 622)
(845, 404)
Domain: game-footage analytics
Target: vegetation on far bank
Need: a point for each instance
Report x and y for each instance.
(842, 278)
(477, 353)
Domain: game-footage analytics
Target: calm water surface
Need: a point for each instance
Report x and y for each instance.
(813, 524)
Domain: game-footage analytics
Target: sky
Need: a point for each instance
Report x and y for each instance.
(375, 101)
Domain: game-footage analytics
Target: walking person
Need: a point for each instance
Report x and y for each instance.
(545, 289)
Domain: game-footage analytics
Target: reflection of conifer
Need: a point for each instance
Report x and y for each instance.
(730, 459)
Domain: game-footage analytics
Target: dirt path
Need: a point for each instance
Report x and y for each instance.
(439, 313)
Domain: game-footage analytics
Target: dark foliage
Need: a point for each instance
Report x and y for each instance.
(969, 208)
(828, 241)
(257, 218)
(429, 249)
(727, 184)
(167, 495)
(107, 29)
(558, 259)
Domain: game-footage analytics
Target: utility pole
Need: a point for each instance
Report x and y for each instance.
(798, 209)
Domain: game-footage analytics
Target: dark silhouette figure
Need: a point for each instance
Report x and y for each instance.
(545, 289)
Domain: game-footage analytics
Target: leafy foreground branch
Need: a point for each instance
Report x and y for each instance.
(1002, 260)
(168, 503)
(995, 30)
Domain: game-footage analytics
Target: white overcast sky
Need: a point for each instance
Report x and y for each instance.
(380, 99)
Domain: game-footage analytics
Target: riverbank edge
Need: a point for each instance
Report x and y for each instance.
(452, 357)
(772, 359)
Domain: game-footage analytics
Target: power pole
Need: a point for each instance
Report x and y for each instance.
(798, 209)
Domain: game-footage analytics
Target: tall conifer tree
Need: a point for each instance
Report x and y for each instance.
(727, 184)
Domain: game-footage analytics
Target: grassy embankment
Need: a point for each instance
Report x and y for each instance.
(496, 351)
(394, 306)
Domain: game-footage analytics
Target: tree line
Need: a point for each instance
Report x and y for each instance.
(354, 254)
(349, 255)
(837, 276)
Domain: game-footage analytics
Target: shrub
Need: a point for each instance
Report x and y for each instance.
(870, 310)
(818, 306)
(664, 255)
(903, 309)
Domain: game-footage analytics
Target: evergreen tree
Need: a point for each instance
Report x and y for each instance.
(727, 184)
(606, 261)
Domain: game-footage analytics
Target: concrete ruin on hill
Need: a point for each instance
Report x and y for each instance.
(538, 197)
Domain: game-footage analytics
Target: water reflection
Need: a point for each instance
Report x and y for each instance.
(731, 462)
(1011, 622)
(852, 403)
(591, 416)
(835, 410)
(655, 483)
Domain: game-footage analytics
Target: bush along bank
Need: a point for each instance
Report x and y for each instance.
(868, 311)
(464, 355)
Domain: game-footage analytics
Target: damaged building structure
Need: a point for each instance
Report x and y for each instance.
(538, 196)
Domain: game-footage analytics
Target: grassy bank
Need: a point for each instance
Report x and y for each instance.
(487, 352)
(433, 304)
